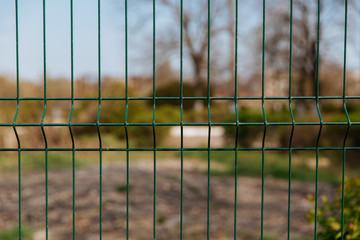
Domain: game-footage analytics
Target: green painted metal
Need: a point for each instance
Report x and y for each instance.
(209, 123)
(181, 119)
(292, 117)
(192, 149)
(320, 117)
(237, 118)
(17, 108)
(348, 123)
(71, 113)
(153, 123)
(98, 120)
(126, 118)
(42, 127)
(176, 124)
(178, 98)
(265, 121)
(237, 124)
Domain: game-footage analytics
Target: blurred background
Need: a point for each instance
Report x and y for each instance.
(167, 84)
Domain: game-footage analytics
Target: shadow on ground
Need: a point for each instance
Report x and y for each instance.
(168, 189)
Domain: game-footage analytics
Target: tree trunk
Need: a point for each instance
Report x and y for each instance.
(197, 61)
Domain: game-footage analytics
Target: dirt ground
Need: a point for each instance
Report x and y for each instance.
(167, 203)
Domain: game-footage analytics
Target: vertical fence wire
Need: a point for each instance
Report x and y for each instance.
(98, 118)
(17, 112)
(265, 121)
(292, 117)
(126, 119)
(181, 121)
(237, 117)
(319, 113)
(153, 123)
(71, 112)
(209, 123)
(348, 124)
(42, 125)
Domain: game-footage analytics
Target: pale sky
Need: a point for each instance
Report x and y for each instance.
(85, 38)
(58, 38)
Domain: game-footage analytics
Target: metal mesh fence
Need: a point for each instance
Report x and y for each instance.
(236, 148)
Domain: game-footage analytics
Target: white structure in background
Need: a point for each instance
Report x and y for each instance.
(198, 135)
(200, 131)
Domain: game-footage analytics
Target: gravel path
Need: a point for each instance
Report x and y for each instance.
(167, 205)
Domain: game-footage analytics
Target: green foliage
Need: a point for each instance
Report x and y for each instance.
(143, 135)
(335, 136)
(35, 161)
(218, 113)
(123, 188)
(172, 89)
(114, 112)
(161, 219)
(247, 134)
(11, 234)
(329, 215)
(276, 166)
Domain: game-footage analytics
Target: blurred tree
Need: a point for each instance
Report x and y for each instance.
(304, 39)
(195, 30)
(195, 39)
(164, 74)
(172, 89)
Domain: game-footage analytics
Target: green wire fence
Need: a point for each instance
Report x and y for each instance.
(209, 149)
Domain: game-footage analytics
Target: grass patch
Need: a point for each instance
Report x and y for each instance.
(11, 234)
(276, 165)
(123, 188)
(60, 160)
(269, 238)
(35, 161)
(161, 219)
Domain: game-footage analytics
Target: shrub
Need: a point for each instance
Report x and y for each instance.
(172, 89)
(144, 134)
(329, 215)
(336, 135)
(138, 112)
(247, 134)
(218, 113)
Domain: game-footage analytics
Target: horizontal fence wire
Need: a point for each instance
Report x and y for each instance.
(178, 124)
(179, 98)
(265, 124)
(180, 149)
